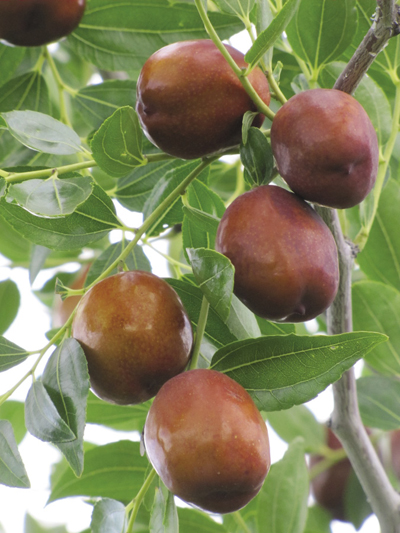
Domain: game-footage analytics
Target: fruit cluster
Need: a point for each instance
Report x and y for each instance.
(203, 433)
(191, 104)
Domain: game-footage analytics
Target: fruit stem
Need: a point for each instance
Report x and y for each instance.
(275, 88)
(201, 327)
(60, 86)
(261, 106)
(137, 501)
(240, 521)
(17, 177)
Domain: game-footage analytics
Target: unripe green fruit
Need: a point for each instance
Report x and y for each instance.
(38, 22)
(135, 334)
(207, 441)
(191, 103)
(326, 147)
(285, 257)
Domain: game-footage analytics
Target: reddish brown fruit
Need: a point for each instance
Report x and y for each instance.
(329, 487)
(395, 452)
(326, 147)
(190, 102)
(285, 258)
(207, 441)
(38, 22)
(135, 334)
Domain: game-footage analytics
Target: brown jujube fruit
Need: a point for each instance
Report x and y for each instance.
(285, 258)
(207, 441)
(135, 334)
(326, 147)
(191, 103)
(38, 22)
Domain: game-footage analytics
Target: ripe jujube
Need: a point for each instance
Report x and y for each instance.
(285, 257)
(207, 441)
(191, 103)
(38, 22)
(326, 147)
(135, 334)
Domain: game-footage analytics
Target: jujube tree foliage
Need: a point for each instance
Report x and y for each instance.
(300, 223)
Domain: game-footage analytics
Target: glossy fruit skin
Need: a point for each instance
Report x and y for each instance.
(326, 147)
(135, 334)
(207, 441)
(38, 22)
(285, 258)
(191, 103)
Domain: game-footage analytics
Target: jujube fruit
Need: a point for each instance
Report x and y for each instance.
(207, 441)
(326, 147)
(135, 334)
(191, 103)
(332, 488)
(38, 22)
(285, 257)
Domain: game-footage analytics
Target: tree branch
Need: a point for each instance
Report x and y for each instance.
(346, 420)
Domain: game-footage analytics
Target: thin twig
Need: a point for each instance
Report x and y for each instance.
(346, 420)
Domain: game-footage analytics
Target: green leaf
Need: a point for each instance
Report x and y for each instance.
(91, 221)
(42, 133)
(108, 517)
(66, 381)
(282, 503)
(268, 37)
(12, 245)
(376, 307)
(122, 35)
(10, 354)
(378, 399)
(122, 477)
(298, 422)
(28, 91)
(275, 328)
(241, 8)
(214, 275)
(134, 189)
(9, 304)
(380, 258)
(241, 321)
(12, 469)
(199, 229)
(119, 417)
(10, 57)
(217, 332)
(257, 157)
(117, 144)
(136, 260)
(318, 520)
(164, 515)
(282, 371)
(193, 521)
(320, 32)
(42, 418)
(14, 412)
(168, 183)
(95, 103)
(52, 197)
(33, 526)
